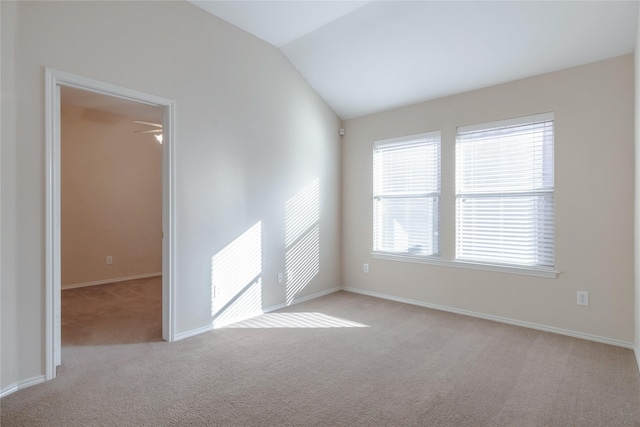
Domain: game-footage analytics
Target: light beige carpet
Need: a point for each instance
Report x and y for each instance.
(117, 313)
(341, 360)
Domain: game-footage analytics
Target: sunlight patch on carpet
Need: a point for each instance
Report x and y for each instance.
(296, 320)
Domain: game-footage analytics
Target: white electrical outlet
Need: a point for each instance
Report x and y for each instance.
(109, 260)
(280, 277)
(583, 298)
(365, 268)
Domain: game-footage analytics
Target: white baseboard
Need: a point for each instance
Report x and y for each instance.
(105, 281)
(506, 320)
(301, 299)
(193, 332)
(20, 385)
(209, 328)
(636, 350)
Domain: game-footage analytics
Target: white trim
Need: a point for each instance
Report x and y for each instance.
(20, 385)
(106, 281)
(52, 225)
(53, 80)
(536, 118)
(408, 138)
(193, 332)
(497, 268)
(63, 78)
(210, 328)
(636, 350)
(169, 222)
(301, 299)
(574, 334)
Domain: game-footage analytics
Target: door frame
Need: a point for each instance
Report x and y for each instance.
(54, 79)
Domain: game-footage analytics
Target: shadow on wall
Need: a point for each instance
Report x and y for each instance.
(236, 270)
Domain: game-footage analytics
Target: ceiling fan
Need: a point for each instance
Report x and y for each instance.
(157, 131)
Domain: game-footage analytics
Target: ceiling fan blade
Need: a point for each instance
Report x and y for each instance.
(148, 131)
(158, 125)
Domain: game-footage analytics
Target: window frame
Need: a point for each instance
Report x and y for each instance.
(436, 235)
(545, 271)
(447, 202)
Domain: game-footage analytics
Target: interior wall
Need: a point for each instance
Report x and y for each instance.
(9, 374)
(111, 197)
(594, 169)
(251, 135)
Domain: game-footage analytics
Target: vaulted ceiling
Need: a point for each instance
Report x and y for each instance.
(364, 57)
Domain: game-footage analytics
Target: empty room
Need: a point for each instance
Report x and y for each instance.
(110, 203)
(362, 213)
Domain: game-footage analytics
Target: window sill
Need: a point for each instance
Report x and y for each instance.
(537, 272)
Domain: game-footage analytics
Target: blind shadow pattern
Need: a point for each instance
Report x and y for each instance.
(302, 239)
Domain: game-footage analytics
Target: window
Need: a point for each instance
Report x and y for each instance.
(504, 193)
(406, 195)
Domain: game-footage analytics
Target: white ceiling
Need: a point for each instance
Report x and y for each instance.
(279, 22)
(364, 57)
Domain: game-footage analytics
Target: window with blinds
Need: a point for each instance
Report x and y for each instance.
(504, 192)
(406, 195)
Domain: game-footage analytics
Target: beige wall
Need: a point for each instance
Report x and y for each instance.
(250, 135)
(8, 282)
(593, 106)
(111, 197)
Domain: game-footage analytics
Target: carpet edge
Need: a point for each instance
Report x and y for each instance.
(20, 385)
(209, 328)
(107, 281)
(499, 319)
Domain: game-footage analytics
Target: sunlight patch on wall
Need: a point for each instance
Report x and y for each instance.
(236, 282)
(302, 239)
(297, 320)
(302, 212)
(246, 304)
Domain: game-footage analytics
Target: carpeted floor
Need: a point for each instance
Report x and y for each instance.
(117, 313)
(340, 360)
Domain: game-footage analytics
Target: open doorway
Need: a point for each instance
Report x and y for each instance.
(99, 102)
(111, 219)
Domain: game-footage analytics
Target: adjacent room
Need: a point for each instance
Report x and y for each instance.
(110, 203)
(320, 213)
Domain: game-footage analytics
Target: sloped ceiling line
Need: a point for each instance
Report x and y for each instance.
(364, 57)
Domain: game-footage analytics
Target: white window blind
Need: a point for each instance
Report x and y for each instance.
(504, 192)
(406, 195)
